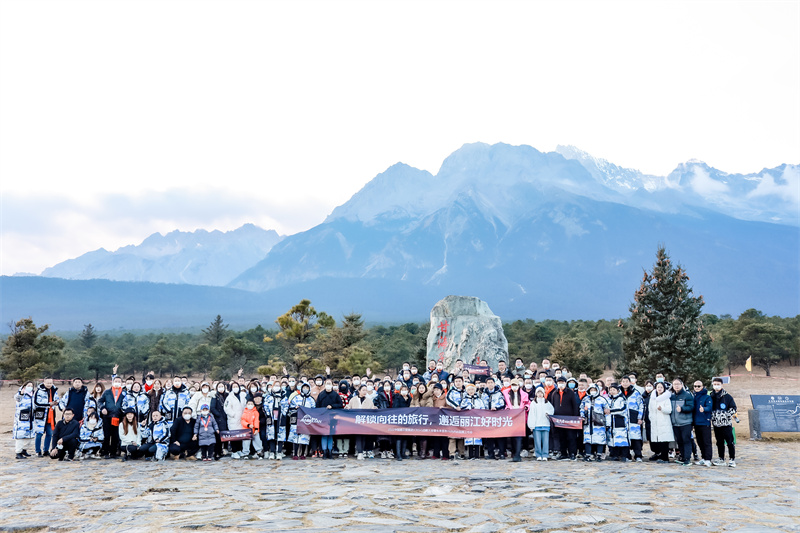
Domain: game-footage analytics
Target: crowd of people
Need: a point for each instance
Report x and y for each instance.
(180, 419)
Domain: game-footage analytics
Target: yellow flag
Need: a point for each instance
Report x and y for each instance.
(749, 364)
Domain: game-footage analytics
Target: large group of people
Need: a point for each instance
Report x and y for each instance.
(183, 419)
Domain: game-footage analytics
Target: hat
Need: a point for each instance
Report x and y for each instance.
(438, 386)
(204, 407)
(559, 379)
(615, 386)
(129, 410)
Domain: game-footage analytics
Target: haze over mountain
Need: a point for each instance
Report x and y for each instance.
(541, 235)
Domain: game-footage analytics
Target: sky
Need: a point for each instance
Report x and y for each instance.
(120, 119)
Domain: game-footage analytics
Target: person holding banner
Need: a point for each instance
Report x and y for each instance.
(618, 443)
(474, 400)
(364, 443)
(496, 401)
(454, 396)
(401, 400)
(516, 398)
(234, 407)
(565, 403)
(276, 409)
(217, 409)
(595, 411)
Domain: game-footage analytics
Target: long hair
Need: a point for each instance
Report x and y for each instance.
(126, 424)
(102, 389)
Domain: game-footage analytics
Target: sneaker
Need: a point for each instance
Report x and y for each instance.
(236, 455)
(295, 458)
(302, 457)
(198, 455)
(271, 456)
(360, 457)
(638, 459)
(20, 456)
(700, 462)
(707, 463)
(718, 462)
(544, 458)
(523, 453)
(732, 463)
(278, 456)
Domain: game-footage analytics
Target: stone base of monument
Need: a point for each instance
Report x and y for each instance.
(754, 421)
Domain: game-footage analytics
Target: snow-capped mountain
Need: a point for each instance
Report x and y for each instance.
(522, 229)
(199, 258)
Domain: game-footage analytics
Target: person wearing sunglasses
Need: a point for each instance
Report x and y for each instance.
(702, 423)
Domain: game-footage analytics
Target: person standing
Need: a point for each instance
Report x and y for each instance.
(75, 399)
(682, 415)
(539, 424)
(329, 399)
(174, 400)
(23, 431)
(516, 398)
(205, 432)
(619, 445)
(45, 402)
(217, 409)
(565, 403)
(399, 401)
(110, 405)
(723, 410)
(596, 412)
(661, 433)
(635, 416)
(299, 440)
(454, 396)
(702, 423)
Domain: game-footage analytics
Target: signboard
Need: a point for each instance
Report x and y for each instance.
(778, 412)
(568, 422)
(478, 370)
(405, 421)
(235, 434)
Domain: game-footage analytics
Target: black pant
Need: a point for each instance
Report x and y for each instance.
(516, 446)
(69, 447)
(399, 448)
(441, 447)
(683, 440)
(589, 449)
(131, 451)
(110, 438)
(636, 448)
(148, 450)
(186, 448)
(206, 449)
(495, 448)
(661, 450)
(619, 451)
(703, 436)
(566, 440)
(473, 452)
(724, 435)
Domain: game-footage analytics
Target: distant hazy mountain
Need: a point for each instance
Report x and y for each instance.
(199, 258)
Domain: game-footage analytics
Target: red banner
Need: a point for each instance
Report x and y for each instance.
(568, 422)
(235, 434)
(478, 370)
(475, 423)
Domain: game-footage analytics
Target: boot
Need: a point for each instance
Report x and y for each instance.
(398, 451)
(423, 450)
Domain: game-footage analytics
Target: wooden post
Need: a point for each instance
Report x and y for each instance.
(755, 424)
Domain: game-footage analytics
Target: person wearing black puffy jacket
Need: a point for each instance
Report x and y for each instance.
(403, 399)
(328, 399)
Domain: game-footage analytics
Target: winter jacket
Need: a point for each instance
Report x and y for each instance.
(131, 437)
(618, 428)
(722, 409)
(565, 404)
(496, 399)
(43, 414)
(182, 431)
(332, 399)
(439, 402)
(173, 401)
(112, 406)
(23, 416)
(702, 399)
(91, 436)
(660, 421)
(250, 419)
(635, 412)
(199, 399)
(74, 399)
(475, 401)
(595, 419)
(384, 400)
(234, 406)
(524, 399)
(217, 408)
(66, 431)
(685, 400)
(358, 403)
(206, 430)
(454, 397)
(537, 415)
(398, 401)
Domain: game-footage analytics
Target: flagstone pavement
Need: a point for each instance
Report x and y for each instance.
(382, 495)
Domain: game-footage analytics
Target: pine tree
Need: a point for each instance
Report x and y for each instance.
(28, 353)
(216, 332)
(88, 336)
(664, 332)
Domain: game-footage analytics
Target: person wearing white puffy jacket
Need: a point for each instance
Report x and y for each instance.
(659, 410)
(540, 424)
(234, 407)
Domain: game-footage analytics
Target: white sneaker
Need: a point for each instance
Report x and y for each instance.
(701, 462)
(718, 462)
(523, 453)
(360, 457)
(544, 458)
(278, 457)
(271, 456)
(540, 458)
(235, 455)
(732, 463)
(198, 455)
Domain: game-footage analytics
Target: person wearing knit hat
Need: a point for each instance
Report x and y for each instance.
(618, 444)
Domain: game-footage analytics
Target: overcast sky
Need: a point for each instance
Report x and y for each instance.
(120, 119)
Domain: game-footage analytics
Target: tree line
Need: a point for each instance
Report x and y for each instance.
(665, 332)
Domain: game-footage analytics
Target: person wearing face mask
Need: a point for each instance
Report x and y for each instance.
(384, 400)
(399, 401)
(234, 407)
(181, 443)
(328, 399)
(421, 396)
(439, 445)
(110, 406)
(149, 382)
(546, 368)
(429, 371)
(519, 367)
(141, 404)
(596, 414)
(565, 403)
(648, 390)
(90, 438)
(702, 423)
(155, 394)
(682, 414)
(635, 416)
(723, 411)
(633, 377)
(252, 388)
(516, 398)
(300, 441)
(343, 442)
(276, 411)
(495, 401)
(659, 410)
(23, 430)
(203, 396)
(45, 402)
(206, 432)
(217, 410)
(455, 394)
(618, 443)
(538, 422)
(75, 399)
(174, 400)
(364, 443)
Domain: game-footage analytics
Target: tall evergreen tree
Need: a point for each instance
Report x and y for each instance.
(88, 336)
(28, 353)
(216, 332)
(665, 332)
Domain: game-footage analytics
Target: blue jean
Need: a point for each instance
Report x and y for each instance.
(48, 434)
(541, 442)
(327, 442)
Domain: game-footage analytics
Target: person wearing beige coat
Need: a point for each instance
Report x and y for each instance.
(364, 443)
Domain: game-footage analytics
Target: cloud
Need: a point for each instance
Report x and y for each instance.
(787, 185)
(704, 185)
(38, 231)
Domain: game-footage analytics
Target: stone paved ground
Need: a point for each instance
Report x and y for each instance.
(384, 495)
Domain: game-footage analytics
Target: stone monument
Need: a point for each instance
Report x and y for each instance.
(463, 327)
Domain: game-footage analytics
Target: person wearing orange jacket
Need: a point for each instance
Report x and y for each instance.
(250, 421)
